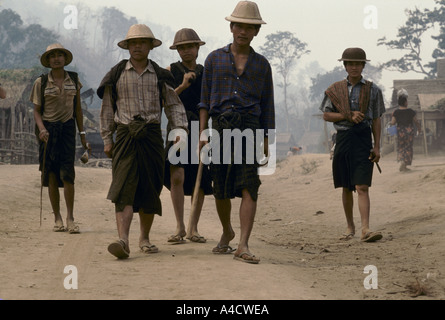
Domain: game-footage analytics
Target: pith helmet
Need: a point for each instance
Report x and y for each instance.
(246, 12)
(139, 31)
(51, 48)
(185, 36)
(354, 54)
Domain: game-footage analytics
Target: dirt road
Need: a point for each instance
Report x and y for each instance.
(296, 233)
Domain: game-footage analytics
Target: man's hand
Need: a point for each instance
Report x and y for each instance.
(108, 150)
(44, 135)
(357, 117)
(375, 155)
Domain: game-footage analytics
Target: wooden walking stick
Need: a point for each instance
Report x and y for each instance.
(41, 182)
(194, 207)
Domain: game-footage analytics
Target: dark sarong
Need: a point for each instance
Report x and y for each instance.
(138, 168)
(230, 179)
(351, 165)
(60, 152)
(190, 169)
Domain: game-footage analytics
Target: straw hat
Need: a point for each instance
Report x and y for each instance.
(354, 54)
(51, 48)
(185, 36)
(138, 31)
(246, 12)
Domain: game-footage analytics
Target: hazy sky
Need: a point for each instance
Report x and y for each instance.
(327, 26)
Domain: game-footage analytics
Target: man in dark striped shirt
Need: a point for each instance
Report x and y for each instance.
(237, 93)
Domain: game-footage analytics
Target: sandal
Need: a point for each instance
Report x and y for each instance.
(197, 238)
(176, 239)
(59, 228)
(372, 236)
(347, 236)
(73, 229)
(146, 247)
(223, 249)
(119, 249)
(247, 257)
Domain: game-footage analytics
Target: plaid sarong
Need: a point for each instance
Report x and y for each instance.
(138, 168)
(230, 179)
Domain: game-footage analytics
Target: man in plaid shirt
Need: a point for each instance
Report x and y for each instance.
(237, 93)
(133, 112)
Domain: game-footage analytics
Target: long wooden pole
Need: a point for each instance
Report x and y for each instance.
(194, 206)
(425, 142)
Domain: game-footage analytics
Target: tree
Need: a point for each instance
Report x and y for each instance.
(409, 39)
(114, 24)
(438, 15)
(283, 50)
(21, 45)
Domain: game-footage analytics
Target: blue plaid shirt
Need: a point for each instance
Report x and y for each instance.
(252, 92)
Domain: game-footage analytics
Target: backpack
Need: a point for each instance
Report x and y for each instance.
(111, 78)
(44, 80)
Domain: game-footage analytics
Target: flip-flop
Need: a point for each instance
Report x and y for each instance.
(372, 236)
(347, 236)
(59, 228)
(73, 229)
(225, 249)
(149, 248)
(118, 250)
(176, 239)
(198, 239)
(251, 258)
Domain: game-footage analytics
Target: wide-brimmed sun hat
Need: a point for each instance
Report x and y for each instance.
(354, 54)
(55, 47)
(186, 36)
(246, 12)
(139, 31)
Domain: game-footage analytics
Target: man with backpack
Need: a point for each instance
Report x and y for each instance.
(134, 92)
(57, 110)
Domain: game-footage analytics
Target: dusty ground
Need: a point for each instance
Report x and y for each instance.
(296, 233)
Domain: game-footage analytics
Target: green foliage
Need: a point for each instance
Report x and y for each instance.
(409, 40)
(283, 49)
(21, 46)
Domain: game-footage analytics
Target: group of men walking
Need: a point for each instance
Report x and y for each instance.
(233, 90)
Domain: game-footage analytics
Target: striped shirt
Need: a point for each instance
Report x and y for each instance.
(252, 92)
(375, 110)
(139, 95)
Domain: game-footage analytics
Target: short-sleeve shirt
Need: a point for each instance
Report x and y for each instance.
(59, 103)
(404, 117)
